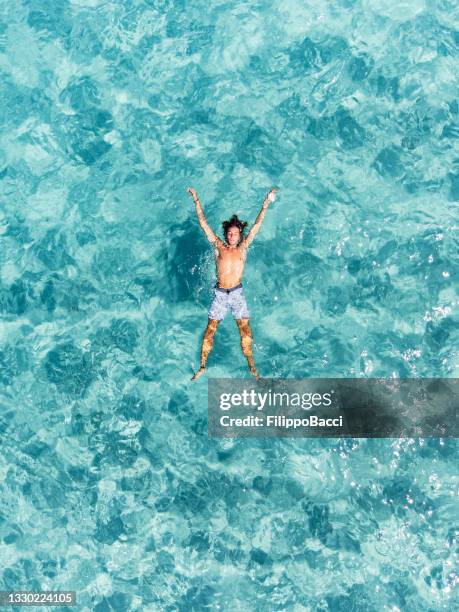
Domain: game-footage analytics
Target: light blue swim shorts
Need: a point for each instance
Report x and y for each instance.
(228, 298)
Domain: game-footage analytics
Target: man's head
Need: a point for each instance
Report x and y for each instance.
(233, 230)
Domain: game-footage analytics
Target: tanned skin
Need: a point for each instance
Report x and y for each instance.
(230, 257)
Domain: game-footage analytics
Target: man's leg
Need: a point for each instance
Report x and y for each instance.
(207, 344)
(246, 344)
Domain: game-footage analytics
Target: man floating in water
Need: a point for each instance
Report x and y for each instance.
(230, 259)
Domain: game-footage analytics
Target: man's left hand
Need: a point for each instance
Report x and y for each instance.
(272, 194)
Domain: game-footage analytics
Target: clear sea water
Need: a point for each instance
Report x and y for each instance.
(109, 483)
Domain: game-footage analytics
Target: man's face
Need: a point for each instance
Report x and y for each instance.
(233, 235)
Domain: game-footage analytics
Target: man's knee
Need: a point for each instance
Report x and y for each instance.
(210, 333)
(246, 343)
(246, 335)
(213, 324)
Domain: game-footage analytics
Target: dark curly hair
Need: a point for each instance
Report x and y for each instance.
(234, 222)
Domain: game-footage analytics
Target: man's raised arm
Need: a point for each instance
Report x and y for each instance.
(211, 235)
(256, 226)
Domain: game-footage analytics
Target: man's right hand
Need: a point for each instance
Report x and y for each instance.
(192, 192)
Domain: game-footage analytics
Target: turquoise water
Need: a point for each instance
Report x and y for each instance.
(110, 485)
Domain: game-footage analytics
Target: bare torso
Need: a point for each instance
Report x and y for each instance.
(230, 263)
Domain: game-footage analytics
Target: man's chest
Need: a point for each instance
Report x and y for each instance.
(230, 258)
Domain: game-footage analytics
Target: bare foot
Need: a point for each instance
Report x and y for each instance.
(254, 372)
(199, 373)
